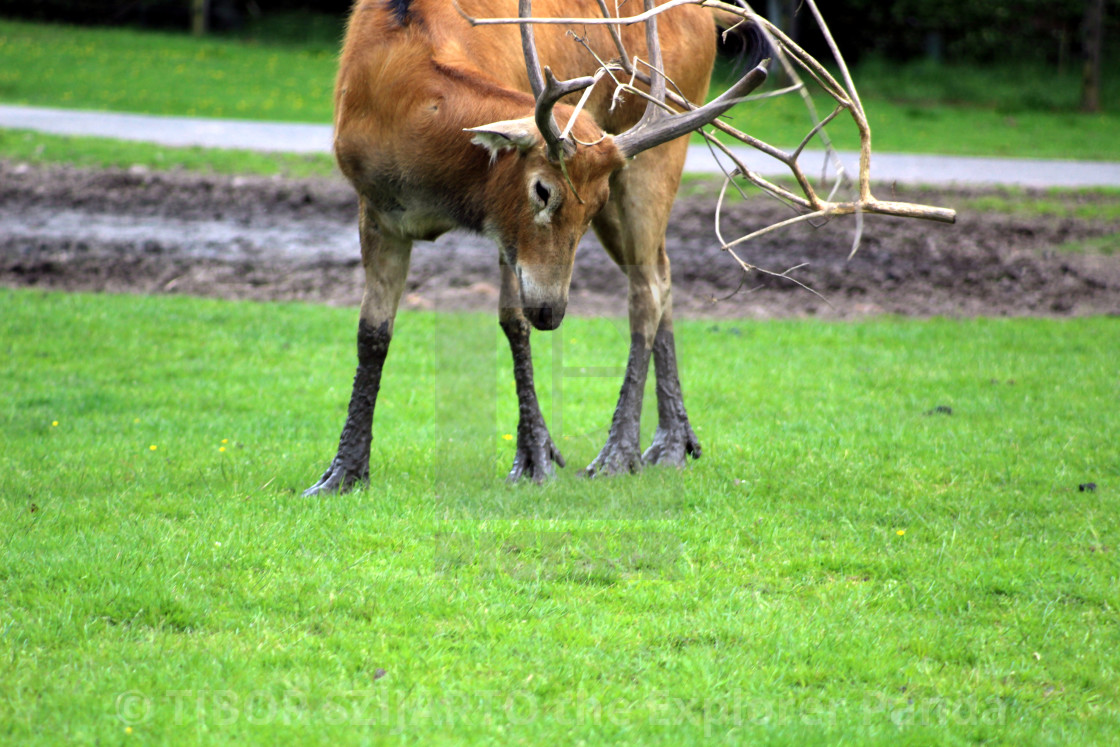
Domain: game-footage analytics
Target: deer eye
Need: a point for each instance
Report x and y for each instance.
(541, 192)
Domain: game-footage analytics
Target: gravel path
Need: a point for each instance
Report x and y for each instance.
(310, 138)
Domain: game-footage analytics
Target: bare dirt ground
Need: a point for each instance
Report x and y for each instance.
(280, 239)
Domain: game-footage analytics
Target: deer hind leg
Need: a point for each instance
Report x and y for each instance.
(674, 440)
(535, 450)
(385, 259)
(632, 229)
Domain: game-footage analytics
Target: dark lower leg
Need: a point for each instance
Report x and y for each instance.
(674, 439)
(351, 463)
(535, 450)
(622, 452)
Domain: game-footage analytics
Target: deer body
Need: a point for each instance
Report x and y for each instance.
(435, 129)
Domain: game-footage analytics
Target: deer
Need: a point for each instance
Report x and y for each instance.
(443, 124)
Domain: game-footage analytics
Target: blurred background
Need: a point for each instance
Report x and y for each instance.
(1062, 35)
(1038, 78)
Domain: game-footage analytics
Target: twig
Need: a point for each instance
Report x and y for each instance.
(573, 21)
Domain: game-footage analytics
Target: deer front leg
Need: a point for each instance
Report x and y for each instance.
(535, 450)
(385, 259)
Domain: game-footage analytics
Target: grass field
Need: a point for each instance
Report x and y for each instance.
(885, 542)
(845, 563)
(1004, 111)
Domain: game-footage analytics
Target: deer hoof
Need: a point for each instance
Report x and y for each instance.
(534, 461)
(616, 459)
(337, 479)
(673, 446)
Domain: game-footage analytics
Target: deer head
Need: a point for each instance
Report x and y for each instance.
(539, 207)
(563, 175)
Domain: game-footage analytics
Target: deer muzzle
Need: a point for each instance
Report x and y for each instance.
(545, 317)
(543, 304)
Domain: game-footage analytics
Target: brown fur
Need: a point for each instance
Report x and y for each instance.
(406, 94)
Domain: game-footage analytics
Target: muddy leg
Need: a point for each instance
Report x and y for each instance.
(535, 450)
(674, 440)
(622, 451)
(385, 259)
(632, 229)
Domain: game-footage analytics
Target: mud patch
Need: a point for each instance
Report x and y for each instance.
(278, 239)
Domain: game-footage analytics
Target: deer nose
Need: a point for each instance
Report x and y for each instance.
(545, 317)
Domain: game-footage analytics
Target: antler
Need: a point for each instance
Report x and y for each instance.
(656, 127)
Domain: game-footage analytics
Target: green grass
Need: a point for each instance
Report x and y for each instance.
(286, 71)
(163, 73)
(1061, 203)
(840, 565)
(1011, 89)
(30, 147)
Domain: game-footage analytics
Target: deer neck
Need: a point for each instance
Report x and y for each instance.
(409, 154)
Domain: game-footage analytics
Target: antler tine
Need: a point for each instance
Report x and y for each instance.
(554, 90)
(644, 136)
(657, 127)
(529, 49)
(656, 75)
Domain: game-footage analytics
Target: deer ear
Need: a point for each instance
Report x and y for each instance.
(521, 134)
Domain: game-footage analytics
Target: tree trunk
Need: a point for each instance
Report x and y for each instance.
(1093, 31)
(200, 12)
(783, 14)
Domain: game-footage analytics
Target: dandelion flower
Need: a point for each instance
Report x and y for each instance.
(54, 423)
(900, 532)
(225, 440)
(508, 436)
(153, 447)
(221, 448)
